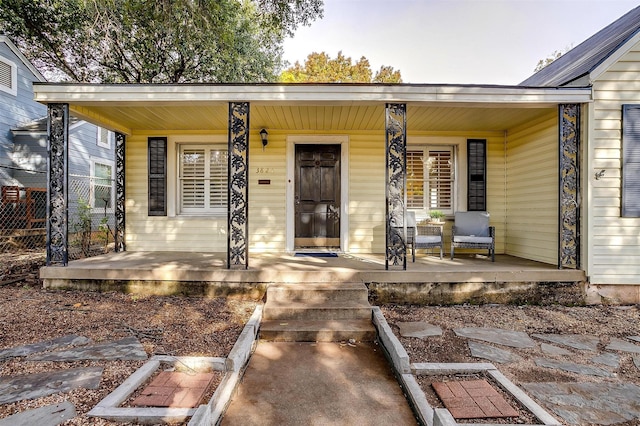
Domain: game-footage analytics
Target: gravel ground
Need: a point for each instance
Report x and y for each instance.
(164, 325)
(209, 327)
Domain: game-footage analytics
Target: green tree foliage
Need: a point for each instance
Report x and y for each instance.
(162, 41)
(321, 68)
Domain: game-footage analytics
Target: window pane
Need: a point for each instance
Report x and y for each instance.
(218, 178)
(415, 179)
(102, 196)
(440, 166)
(192, 179)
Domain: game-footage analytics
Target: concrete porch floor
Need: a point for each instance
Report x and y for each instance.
(206, 273)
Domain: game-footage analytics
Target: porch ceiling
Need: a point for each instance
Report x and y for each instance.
(333, 107)
(309, 118)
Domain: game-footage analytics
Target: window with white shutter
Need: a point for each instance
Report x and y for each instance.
(630, 161)
(8, 77)
(431, 178)
(202, 179)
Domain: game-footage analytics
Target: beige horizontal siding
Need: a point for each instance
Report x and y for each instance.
(614, 240)
(532, 191)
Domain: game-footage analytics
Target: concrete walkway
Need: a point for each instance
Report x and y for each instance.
(318, 384)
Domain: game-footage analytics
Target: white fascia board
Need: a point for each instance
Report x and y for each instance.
(23, 59)
(79, 94)
(614, 57)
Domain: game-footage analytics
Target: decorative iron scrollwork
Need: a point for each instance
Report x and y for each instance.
(238, 207)
(396, 170)
(57, 196)
(120, 244)
(569, 250)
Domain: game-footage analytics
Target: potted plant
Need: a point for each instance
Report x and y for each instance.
(436, 216)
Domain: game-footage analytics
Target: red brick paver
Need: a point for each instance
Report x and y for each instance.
(174, 389)
(473, 399)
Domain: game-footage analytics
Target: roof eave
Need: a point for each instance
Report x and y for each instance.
(173, 94)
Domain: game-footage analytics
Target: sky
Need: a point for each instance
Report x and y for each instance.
(454, 41)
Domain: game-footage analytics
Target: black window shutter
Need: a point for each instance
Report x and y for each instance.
(157, 176)
(476, 174)
(630, 161)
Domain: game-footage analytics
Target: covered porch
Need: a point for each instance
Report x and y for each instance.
(430, 280)
(528, 151)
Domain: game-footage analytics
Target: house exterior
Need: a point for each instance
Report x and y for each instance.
(340, 163)
(17, 106)
(23, 151)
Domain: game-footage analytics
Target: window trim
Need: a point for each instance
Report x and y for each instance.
(459, 151)
(173, 149)
(13, 90)
(92, 184)
(207, 210)
(99, 140)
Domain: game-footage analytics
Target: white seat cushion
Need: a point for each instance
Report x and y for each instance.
(427, 239)
(472, 239)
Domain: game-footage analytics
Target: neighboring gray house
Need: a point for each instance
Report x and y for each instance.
(17, 106)
(23, 151)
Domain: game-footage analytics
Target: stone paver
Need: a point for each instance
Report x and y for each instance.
(548, 349)
(577, 341)
(30, 386)
(634, 338)
(480, 350)
(49, 415)
(608, 359)
(128, 348)
(473, 399)
(572, 367)
(623, 346)
(499, 336)
(48, 345)
(636, 361)
(174, 389)
(418, 329)
(589, 403)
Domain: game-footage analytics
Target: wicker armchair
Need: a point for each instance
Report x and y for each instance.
(422, 236)
(429, 236)
(472, 230)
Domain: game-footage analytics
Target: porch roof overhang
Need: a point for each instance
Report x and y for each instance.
(130, 107)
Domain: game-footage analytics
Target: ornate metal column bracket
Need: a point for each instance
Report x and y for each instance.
(569, 196)
(120, 244)
(57, 185)
(396, 182)
(238, 200)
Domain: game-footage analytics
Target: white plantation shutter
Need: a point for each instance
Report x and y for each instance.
(415, 179)
(440, 179)
(218, 178)
(192, 178)
(203, 179)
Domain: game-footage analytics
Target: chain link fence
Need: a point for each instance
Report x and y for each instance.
(91, 217)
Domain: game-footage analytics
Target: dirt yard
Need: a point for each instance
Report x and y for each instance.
(209, 327)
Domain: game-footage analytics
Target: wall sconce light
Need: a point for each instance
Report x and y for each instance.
(263, 137)
(599, 174)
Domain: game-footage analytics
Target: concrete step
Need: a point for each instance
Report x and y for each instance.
(317, 292)
(331, 310)
(318, 331)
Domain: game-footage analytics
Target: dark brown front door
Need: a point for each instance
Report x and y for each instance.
(317, 196)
